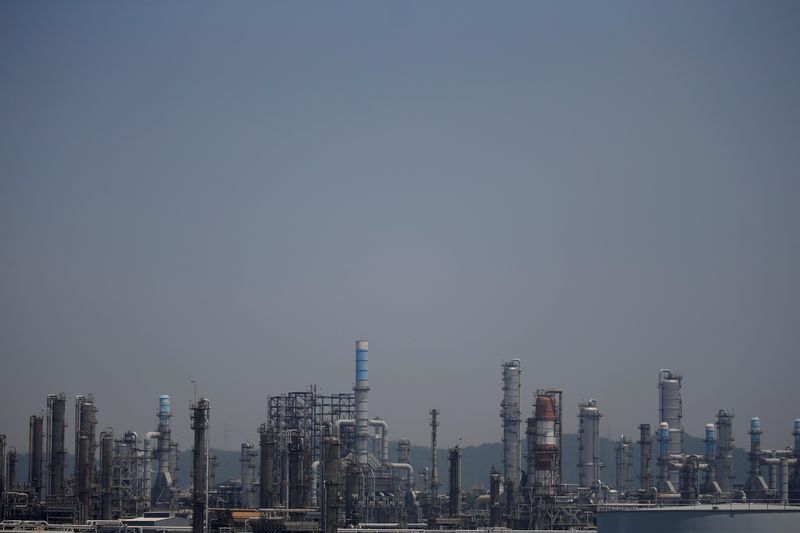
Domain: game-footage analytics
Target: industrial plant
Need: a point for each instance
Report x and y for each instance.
(323, 462)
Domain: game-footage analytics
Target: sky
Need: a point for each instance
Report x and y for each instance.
(233, 193)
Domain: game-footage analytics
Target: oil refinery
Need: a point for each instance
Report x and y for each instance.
(323, 463)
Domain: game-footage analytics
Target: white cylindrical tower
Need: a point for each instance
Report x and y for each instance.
(589, 443)
(511, 415)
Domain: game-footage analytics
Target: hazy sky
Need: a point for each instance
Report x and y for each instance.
(234, 192)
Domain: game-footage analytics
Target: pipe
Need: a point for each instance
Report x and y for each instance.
(409, 473)
(314, 482)
(372, 422)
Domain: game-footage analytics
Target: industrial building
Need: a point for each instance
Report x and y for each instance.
(322, 462)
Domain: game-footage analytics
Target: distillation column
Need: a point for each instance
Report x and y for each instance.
(670, 410)
(332, 481)
(755, 487)
(710, 484)
(361, 391)
(35, 442)
(725, 475)
(248, 500)
(645, 456)
(544, 444)
(589, 443)
(623, 452)
(2, 477)
(512, 417)
(56, 413)
(163, 486)
(200, 415)
(455, 481)
(267, 441)
(85, 424)
(106, 458)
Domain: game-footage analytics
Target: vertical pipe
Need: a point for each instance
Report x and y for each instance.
(361, 390)
(199, 417)
(106, 456)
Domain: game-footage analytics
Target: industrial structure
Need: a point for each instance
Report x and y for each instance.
(323, 463)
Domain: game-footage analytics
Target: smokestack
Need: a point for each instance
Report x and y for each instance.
(200, 412)
(106, 457)
(361, 390)
(35, 441)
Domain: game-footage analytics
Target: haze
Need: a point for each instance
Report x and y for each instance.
(233, 193)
